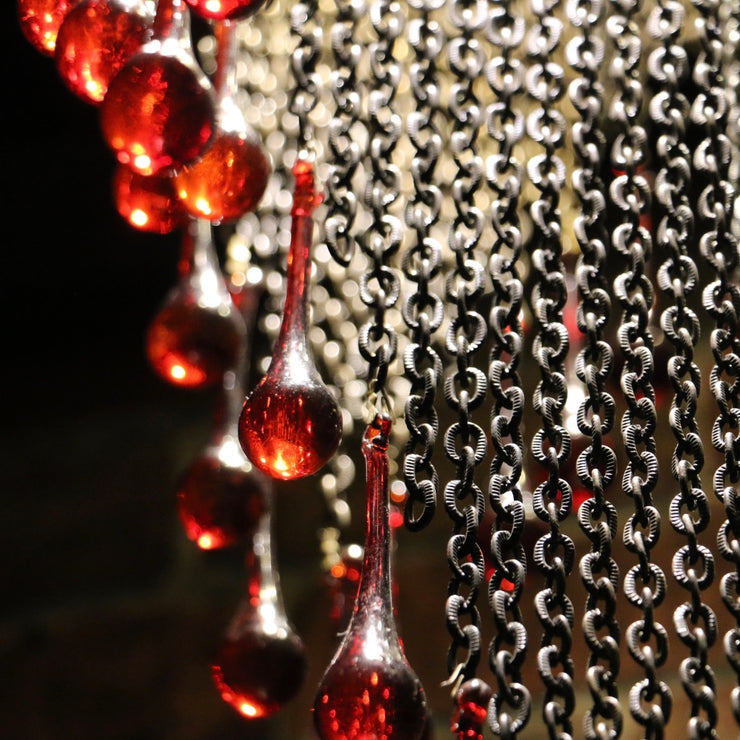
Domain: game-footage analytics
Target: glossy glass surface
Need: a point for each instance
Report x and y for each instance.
(229, 180)
(197, 335)
(469, 718)
(369, 691)
(95, 40)
(159, 112)
(291, 425)
(40, 21)
(260, 665)
(218, 10)
(148, 203)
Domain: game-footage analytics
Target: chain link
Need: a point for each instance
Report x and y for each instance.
(677, 277)
(380, 286)
(596, 465)
(554, 552)
(721, 299)
(465, 441)
(423, 310)
(511, 707)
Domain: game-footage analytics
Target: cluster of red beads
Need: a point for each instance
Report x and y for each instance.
(158, 110)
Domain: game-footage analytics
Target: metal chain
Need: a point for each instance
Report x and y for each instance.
(511, 707)
(645, 583)
(344, 128)
(596, 465)
(721, 299)
(423, 310)
(677, 277)
(465, 442)
(380, 286)
(554, 552)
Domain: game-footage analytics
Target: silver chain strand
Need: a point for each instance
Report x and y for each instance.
(511, 707)
(721, 300)
(554, 552)
(645, 583)
(380, 286)
(344, 132)
(596, 465)
(677, 277)
(465, 442)
(423, 310)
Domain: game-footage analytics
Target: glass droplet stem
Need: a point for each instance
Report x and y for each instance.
(291, 424)
(198, 334)
(369, 689)
(261, 664)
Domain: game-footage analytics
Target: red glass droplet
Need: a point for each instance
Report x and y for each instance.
(95, 40)
(220, 498)
(219, 10)
(197, 335)
(291, 425)
(261, 664)
(159, 112)
(40, 21)
(369, 690)
(229, 180)
(148, 203)
(472, 701)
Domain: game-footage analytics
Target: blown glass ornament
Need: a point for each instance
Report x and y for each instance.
(159, 111)
(229, 180)
(148, 202)
(261, 664)
(369, 691)
(222, 10)
(291, 424)
(95, 40)
(40, 21)
(221, 497)
(197, 335)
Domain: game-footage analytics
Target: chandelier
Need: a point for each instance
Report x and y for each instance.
(466, 273)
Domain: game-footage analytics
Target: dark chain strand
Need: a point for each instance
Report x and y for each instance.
(721, 299)
(677, 277)
(645, 583)
(465, 442)
(554, 552)
(596, 465)
(511, 707)
(423, 311)
(380, 286)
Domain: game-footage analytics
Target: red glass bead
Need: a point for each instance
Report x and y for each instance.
(261, 663)
(472, 702)
(369, 690)
(95, 40)
(228, 181)
(40, 21)
(219, 10)
(159, 112)
(220, 498)
(198, 334)
(291, 425)
(148, 203)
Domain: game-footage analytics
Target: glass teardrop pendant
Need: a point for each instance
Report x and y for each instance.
(148, 202)
(230, 178)
(369, 691)
(222, 10)
(196, 336)
(221, 496)
(40, 21)
(95, 40)
(291, 424)
(261, 664)
(472, 700)
(159, 111)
